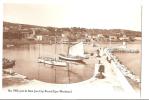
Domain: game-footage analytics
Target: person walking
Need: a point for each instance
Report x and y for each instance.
(101, 71)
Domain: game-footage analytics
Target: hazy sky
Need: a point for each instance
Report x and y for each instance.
(107, 14)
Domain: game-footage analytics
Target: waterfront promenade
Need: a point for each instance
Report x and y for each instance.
(114, 85)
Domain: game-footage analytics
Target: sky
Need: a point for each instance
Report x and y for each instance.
(101, 14)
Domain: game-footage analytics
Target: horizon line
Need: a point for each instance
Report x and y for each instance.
(71, 26)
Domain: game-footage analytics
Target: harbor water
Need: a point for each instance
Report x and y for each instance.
(26, 62)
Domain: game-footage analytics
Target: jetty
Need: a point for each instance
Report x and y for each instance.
(123, 50)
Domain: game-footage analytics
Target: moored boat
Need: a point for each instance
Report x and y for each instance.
(51, 61)
(76, 53)
(8, 63)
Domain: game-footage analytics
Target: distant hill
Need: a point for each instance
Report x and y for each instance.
(17, 24)
(77, 31)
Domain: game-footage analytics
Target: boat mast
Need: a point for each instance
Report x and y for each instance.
(55, 73)
(39, 50)
(55, 44)
(110, 39)
(68, 47)
(62, 40)
(55, 54)
(39, 39)
(124, 41)
(68, 73)
(69, 36)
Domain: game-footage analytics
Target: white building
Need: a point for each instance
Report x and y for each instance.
(39, 37)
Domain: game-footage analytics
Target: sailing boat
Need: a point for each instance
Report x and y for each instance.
(75, 53)
(52, 61)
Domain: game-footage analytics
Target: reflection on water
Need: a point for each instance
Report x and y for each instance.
(26, 64)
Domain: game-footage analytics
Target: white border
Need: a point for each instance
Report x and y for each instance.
(1, 41)
(145, 49)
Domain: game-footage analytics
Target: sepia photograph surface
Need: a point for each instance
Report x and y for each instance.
(72, 49)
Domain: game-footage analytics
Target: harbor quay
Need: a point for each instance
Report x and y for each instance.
(114, 81)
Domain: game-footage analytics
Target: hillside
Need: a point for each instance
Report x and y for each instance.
(16, 28)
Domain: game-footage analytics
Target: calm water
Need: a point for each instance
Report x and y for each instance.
(26, 64)
(131, 60)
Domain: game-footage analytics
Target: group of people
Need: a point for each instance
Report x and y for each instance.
(101, 68)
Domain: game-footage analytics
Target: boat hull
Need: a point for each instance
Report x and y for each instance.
(70, 58)
(52, 62)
